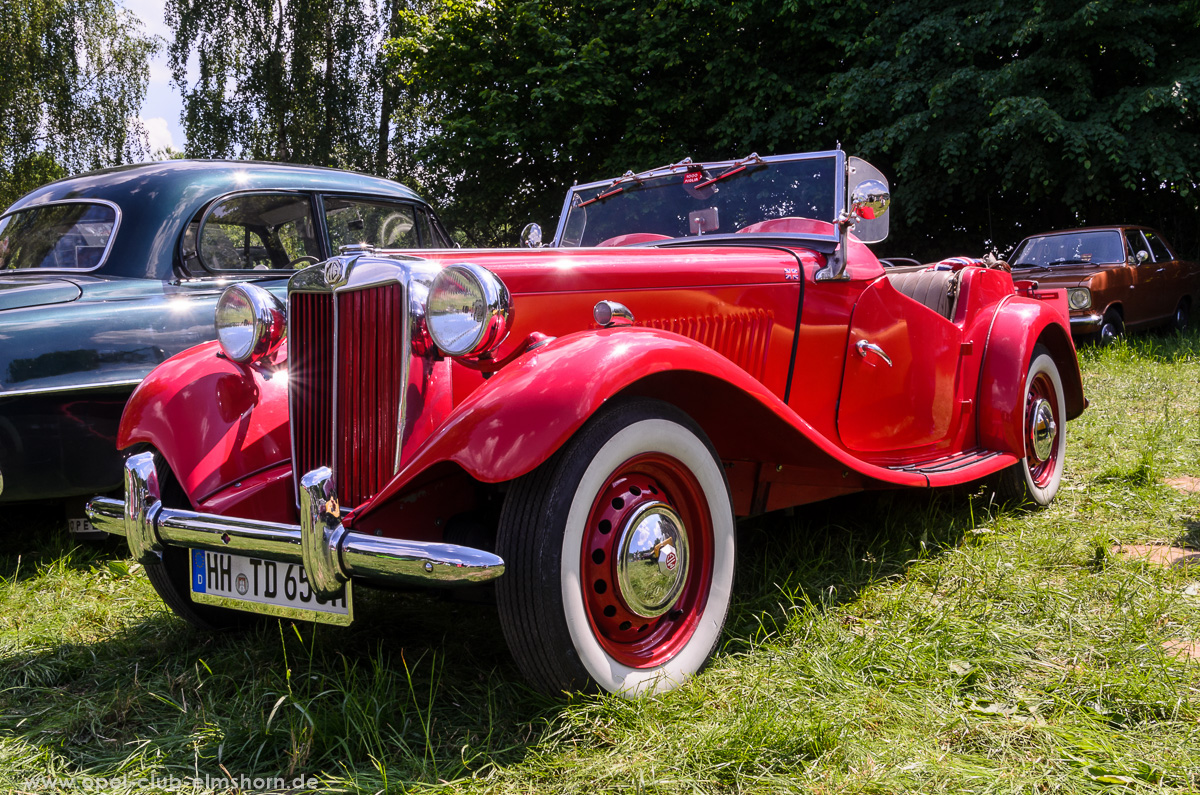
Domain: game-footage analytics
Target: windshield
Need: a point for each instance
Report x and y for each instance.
(691, 199)
(1078, 248)
(70, 235)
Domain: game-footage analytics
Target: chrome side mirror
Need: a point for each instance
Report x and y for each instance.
(531, 236)
(1142, 256)
(870, 200)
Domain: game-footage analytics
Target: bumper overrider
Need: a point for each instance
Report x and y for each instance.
(331, 554)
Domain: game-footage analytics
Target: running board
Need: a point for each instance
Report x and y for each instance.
(950, 463)
(953, 469)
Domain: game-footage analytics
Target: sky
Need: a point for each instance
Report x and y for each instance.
(163, 103)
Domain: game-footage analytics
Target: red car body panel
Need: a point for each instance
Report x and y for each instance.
(717, 342)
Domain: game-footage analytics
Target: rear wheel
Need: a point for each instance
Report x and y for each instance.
(619, 554)
(1182, 319)
(170, 573)
(1037, 477)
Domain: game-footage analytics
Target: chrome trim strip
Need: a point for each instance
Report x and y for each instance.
(330, 553)
(48, 390)
(1086, 320)
(112, 236)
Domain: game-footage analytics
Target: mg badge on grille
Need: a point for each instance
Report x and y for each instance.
(334, 272)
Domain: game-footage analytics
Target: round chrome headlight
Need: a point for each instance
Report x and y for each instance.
(1079, 297)
(468, 310)
(251, 323)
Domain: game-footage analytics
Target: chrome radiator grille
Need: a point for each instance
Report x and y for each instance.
(347, 366)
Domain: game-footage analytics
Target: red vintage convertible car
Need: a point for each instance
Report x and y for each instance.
(582, 422)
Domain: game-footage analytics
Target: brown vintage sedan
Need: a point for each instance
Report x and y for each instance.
(1116, 277)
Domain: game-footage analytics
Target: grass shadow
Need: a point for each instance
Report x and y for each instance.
(826, 553)
(421, 689)
(29, 546)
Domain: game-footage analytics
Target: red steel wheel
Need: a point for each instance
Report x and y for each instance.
(647, 560)
(1037, 477)
(619, 553)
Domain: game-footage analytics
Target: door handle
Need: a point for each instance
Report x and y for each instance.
(865, 347)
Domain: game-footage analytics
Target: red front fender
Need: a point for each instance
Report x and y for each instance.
(1019, 325)
(215, 421)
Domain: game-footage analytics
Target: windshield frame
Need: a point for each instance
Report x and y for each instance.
(678, 169)
(112, 236)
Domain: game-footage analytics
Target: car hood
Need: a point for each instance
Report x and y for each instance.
(20, 293)
(1062, 276)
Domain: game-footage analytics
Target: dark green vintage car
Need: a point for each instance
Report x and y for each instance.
(105, 275)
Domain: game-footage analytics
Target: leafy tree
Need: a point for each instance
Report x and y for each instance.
(1004, 119)
(73, 74)
(295, 81)
(525, 97)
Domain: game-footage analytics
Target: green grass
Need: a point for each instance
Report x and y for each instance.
(894, 642)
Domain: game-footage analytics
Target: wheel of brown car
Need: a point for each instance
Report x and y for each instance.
(1182, 318)
(1111, 327)
(1036, 478)
(619, 553)
(171, 574)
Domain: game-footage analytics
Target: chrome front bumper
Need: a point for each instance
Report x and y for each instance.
(331, 554)
(1081, 323)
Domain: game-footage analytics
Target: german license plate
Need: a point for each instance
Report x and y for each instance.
(263, 586)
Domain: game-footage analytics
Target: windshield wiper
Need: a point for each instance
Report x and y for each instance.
(1069, 261)
(619, 185)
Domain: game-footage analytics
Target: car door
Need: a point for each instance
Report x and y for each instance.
(1146, 284)
(900, 382)
(1167, 274)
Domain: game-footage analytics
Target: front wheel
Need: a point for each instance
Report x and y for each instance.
(619, 554)
(1037, 477)
(1112, 328)
(170, 571)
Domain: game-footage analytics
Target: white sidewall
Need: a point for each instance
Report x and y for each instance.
(1044, 496)
(662, 436)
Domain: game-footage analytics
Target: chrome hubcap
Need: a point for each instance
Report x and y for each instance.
(1042, 428)
(652, 560)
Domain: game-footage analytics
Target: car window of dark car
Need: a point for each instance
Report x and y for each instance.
(378, 223)
(427, 238)
(62, 236)
(440, 238)
(1157, 247)
(1079, 248)
(254, 231)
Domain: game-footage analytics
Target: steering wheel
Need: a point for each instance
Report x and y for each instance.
(307, 259)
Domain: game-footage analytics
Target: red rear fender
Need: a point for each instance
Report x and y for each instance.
(1021, 324)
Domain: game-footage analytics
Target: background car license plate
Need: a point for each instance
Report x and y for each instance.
(263, 586)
